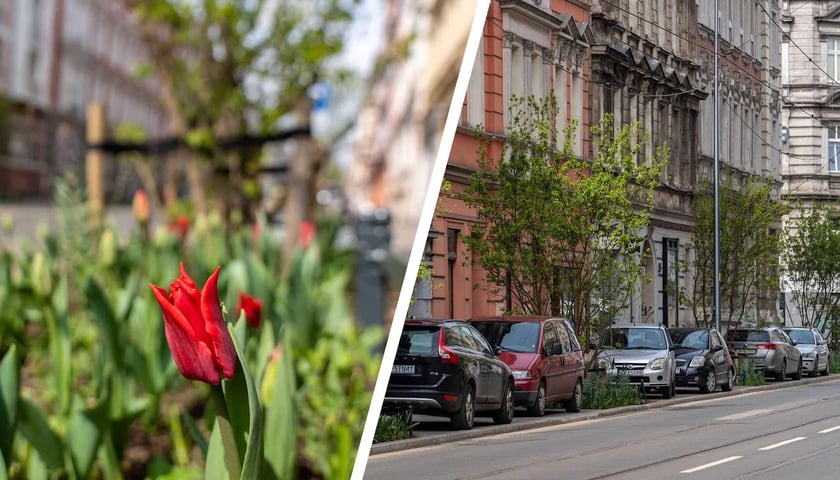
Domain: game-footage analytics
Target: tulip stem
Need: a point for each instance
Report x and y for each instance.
(226, 430)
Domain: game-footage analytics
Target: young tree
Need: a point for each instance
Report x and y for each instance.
(811, 263)
(749, 251)
(559, 231)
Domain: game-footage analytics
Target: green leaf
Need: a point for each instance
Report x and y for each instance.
(4, 471)
(36, 430)
(281, 422)
(195, 433)
(83, 438)
(253, 458)
(9, 395)
(215, 467)
(103, 314)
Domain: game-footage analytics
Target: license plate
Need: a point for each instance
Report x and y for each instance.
(403, 369)
(745, 351)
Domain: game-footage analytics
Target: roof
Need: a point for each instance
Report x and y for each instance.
(514, 318)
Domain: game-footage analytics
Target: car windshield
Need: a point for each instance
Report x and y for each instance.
(803, 337)
(520, 337)
(416, 340)
(630, 338)
(757, 336)
(697, 339)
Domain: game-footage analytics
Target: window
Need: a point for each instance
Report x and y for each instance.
(832, 53)
(563, 336)
(549, 338)
(834, 148)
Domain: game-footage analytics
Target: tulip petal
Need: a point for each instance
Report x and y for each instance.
(194, 359)
(187, 299)
(169, 310)
(220, 342)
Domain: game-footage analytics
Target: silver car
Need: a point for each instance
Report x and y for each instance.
(813, 348)
(769, 349)
(642, 352)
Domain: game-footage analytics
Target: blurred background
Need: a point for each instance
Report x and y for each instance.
(290, 143)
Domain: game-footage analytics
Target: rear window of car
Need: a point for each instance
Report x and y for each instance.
(417, 340)
(748, 336)
(511, 336)
(804, 337)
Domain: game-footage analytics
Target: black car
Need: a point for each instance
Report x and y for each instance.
(448, 368)
(703, 359)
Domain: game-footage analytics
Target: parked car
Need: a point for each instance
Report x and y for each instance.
(769, 349)
(448, 368)
(703, 359)
(544, 355)
(643, 352)
(813, 347)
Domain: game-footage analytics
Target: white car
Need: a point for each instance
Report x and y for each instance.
(644, 353)
(812, 346)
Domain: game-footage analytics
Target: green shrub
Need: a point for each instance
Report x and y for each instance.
(610, 392)
(393, 427)
(834, 362)
(748, 375)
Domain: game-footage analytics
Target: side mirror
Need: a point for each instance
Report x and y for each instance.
(675, 346)
(794, 342)
(717, 348)
(556, 349)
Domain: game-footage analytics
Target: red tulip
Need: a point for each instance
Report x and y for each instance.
(252, 307)
(306, 234)
(196, 330)
(180, 226)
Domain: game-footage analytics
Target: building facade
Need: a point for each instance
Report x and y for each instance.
(810, 116)
(529, 47)
(62, 55)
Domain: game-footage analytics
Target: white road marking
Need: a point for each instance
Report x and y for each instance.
(781, 444)
(709, 465)
(747, 414)
(829, 430)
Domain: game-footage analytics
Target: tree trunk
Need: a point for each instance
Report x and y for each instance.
(196, 178)
(299, 194)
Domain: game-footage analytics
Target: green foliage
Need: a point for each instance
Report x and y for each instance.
(561, 232)
(749, 250)
(612, 391)
(811, 256)
(85, 336)
(748, 375)
(393, 427)
(834, 362)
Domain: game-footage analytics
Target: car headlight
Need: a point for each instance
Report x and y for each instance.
(697, 362)
(657, 364)
(521, 374)
(603, 364)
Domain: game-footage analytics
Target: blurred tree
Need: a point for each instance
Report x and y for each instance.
(231, 68)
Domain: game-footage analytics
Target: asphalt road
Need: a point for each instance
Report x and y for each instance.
(787, 433)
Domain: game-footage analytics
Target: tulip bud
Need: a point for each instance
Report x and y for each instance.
(140, 206)
(39, 275)
(108, 247)
(8, 223)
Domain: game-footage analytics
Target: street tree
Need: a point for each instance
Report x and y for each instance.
(557, 233)
(233, 69)
(749, 252)
(811, 263)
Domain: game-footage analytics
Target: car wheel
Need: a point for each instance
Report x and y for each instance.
(727, 386)
(538, 408)
(668, 392)
(505, 412)
(827, 361)
(798, 374)
(709, 384)
(575, 403)
(780, 376)
(464, 417)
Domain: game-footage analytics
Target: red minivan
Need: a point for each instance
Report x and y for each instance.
(544, 355)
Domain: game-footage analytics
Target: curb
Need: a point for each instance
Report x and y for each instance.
(565, 418)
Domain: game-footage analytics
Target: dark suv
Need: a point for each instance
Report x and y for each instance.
(448, 368)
